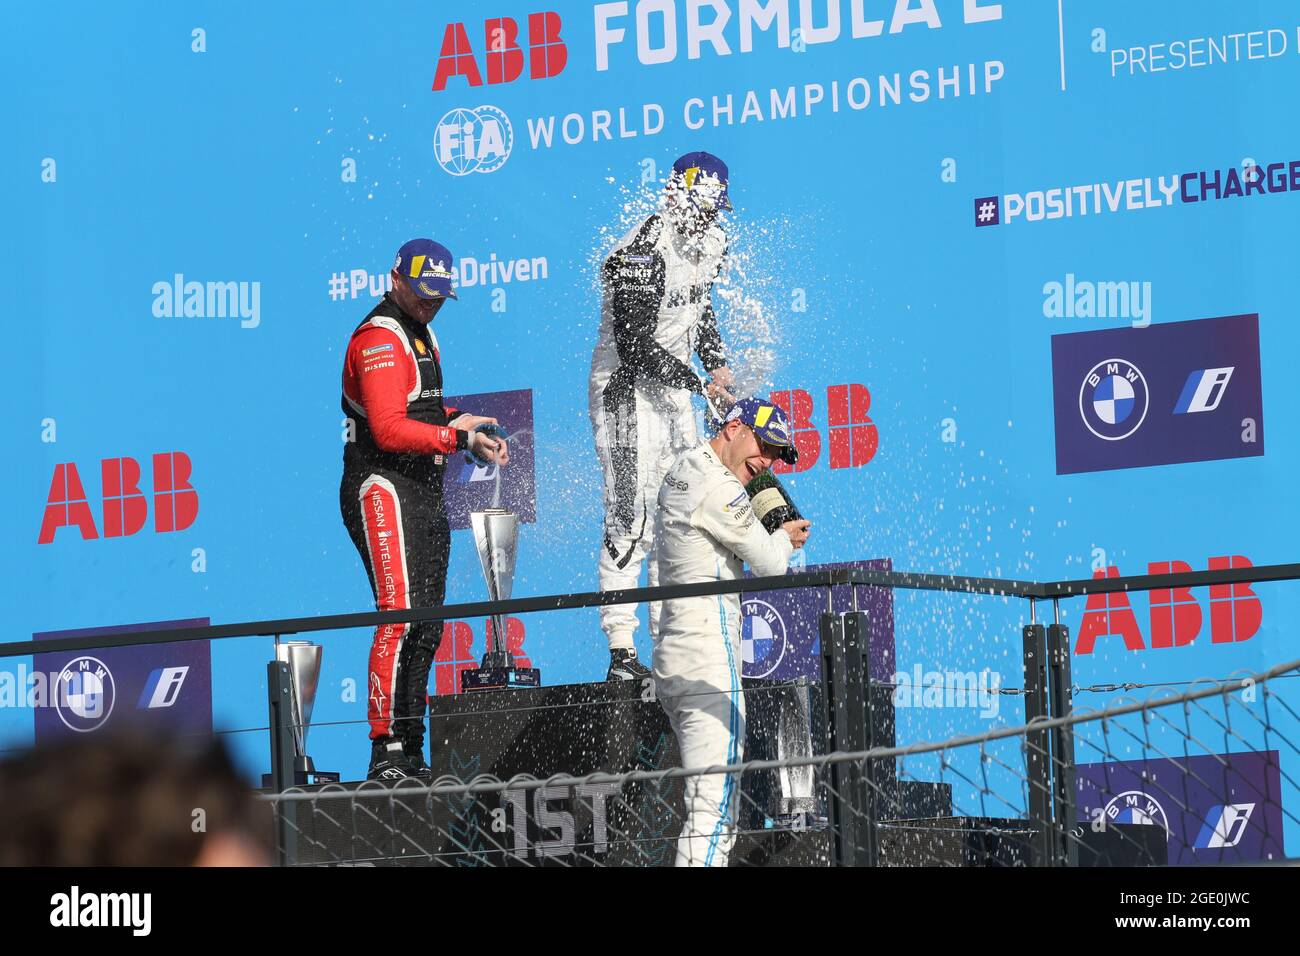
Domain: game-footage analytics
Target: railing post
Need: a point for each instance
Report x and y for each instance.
(845, 678)
(280, 724)
(1063, 776)
(1037, 742)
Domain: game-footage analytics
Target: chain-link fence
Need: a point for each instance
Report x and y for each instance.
(1147, 787)
(846, 758)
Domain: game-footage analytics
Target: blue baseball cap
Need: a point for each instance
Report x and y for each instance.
(704, 169)
(769, 424)
(427, 267)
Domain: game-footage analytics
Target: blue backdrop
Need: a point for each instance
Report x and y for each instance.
(901, 174)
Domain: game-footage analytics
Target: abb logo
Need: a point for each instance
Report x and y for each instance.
(547, 53)
(851, 434)
(456, 652)
(124, 508)
(1176, 616)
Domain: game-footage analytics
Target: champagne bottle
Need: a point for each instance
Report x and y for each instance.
(770, 501)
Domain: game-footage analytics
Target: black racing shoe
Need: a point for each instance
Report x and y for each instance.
(416, 765)
(388, 761)
(623, 665)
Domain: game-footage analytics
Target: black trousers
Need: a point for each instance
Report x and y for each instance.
(399, 527)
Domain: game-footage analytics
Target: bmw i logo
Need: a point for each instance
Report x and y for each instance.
(85, 695)
(1113, 399)
(762, 638)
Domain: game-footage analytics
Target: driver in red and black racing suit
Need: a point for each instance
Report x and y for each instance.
(391, 492)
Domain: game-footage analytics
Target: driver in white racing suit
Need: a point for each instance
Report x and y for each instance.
(656, 310)
(707, 532)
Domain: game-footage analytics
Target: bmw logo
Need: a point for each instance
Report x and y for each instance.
(762, 638)
(1113, 399)
(85, 694)
(1136, 806)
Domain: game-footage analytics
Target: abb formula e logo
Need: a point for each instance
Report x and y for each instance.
(124, 507)
(1175, 615)
(503, 56)
(851, 435)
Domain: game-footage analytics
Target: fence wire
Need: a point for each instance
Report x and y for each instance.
(1201, 776)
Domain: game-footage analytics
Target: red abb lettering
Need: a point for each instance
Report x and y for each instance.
(455, 654)
(175, 502)
(456, 58)
(798, 407)
(505, 61)
(853, 436)
(124, 506)
(1175, 613)
(547, 55)
(1106, 614)
(1235, 611)
(547, 52)
(514, 640)
(66, 504)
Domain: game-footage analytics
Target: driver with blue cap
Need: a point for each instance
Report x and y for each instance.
(401, 434)
(707, 531)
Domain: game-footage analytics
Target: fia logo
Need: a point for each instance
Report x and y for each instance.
(1113, 399)
(86, 694)
(473, 141)
(762, 638)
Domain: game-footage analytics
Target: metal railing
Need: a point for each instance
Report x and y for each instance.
(859, 793)
(637, 815)
(1032, 591)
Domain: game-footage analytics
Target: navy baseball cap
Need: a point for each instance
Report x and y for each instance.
(701, 169)
(769, 424)
(426, 265)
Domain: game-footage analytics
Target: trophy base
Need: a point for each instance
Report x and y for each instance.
(304, 774)
(499, 678)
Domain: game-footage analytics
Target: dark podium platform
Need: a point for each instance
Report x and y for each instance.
(579, 729)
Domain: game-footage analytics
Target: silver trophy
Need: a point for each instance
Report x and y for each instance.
(794, 741)
(304, 660)
(496, 536)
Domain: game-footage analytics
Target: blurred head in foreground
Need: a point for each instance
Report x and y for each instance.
(125, 801)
